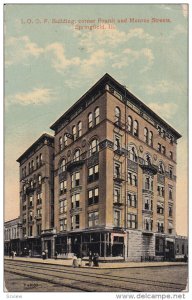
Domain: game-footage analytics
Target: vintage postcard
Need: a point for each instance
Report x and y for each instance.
(96, 148)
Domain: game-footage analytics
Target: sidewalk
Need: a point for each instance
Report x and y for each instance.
(102, 265)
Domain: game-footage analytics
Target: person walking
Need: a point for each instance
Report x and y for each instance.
(90, 259)
(96, 259)
(43, 255)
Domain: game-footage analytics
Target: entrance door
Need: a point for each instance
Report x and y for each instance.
(48, 248)
(170, 254)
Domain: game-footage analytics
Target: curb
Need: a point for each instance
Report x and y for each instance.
(104, 266)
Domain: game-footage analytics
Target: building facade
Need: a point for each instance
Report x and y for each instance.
(12, 236)
(114, 188)
(37, 195)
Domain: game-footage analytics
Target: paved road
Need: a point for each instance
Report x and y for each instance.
(36, 277)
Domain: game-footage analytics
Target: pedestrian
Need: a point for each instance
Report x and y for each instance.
(46, 253)
(43, 255)
(74, 263)
(96, 259)
(56, 254)
(90, 259)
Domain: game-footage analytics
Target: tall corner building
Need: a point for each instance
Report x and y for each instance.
(37, 194)
(114, 179)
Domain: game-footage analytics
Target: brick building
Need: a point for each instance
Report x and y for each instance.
(114, 179)
(37, 195)
(12, 235)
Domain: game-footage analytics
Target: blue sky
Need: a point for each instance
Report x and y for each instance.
(49, 66)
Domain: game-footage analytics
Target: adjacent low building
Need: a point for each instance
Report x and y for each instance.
(106, 181)
(12, 236)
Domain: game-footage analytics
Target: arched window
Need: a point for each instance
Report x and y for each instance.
(94, 147)
(150, 138)
(136, 128)
(132, 153)
(79, 128)
(161, 168)
(148, 159)
(170, 172)
(74, 132)
(146, 135)
(62, 166)
(76, 156)
(32, 165)
(130, 124)
(117, 115)
(37, 161)
(65, 140)
(97, 116)
(60, 143)
(29, 165)
(39, 179)
(90, 120)
(41, 158)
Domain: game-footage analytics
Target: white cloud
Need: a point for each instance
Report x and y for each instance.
(131, 56)
(36, 96)
(19, 49)
(115, 37)
(59, 60)
(166, 110)
(163, 86)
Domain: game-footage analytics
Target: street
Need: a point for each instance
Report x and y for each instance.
(23, 276)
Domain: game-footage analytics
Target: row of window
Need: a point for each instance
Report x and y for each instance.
(148, 204)
(32, 183)
(93, 148)
(93, 220)
(93, 175)
(30, 230)
(92, 120)
(32, 166)
(30, 215)
(93, 198)
(133, 128)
